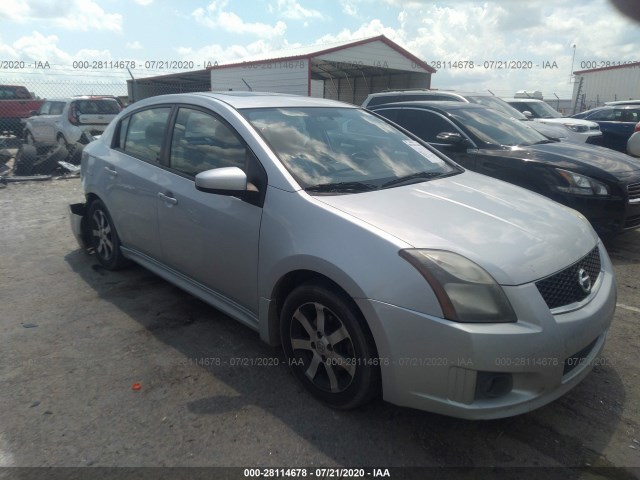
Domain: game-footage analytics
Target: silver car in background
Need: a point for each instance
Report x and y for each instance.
(378, 264)
(68, 121)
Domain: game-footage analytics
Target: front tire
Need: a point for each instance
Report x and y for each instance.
(328, 346)
(104, 237)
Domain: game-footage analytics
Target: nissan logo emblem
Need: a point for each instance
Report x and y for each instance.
(584, 280)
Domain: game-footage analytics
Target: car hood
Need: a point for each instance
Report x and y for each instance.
(572, 121)
(516, 235)
(568, 155)
(551, 131)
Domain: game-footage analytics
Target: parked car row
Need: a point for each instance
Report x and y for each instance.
(580, 130)
(567, 129)
(380, 265)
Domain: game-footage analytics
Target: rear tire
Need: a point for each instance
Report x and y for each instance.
(47, 165)
(329, 347)
(104, 237)
(25, 158)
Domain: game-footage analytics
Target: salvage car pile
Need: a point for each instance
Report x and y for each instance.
(31, 163)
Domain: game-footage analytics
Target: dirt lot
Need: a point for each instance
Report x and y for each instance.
(75, 338)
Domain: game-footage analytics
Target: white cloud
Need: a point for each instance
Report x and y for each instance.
(144, 3)
(349, 7)
(83, 15)
(217, 53)
(215, 16)
(41, 48)
(292, 10)
(134, 45)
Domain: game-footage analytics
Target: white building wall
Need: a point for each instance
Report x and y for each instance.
(608, 85)
(278, 77)
(374, 54)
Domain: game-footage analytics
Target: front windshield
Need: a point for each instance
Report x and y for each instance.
(543, 110)
(498, 104)
(329, 146)
(494, 128)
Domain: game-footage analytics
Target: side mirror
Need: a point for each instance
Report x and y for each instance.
(223, 181)
(527, 114)
(33, 113)
(453, 139)
(450, 138)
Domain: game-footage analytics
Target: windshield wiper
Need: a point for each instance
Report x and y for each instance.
(411, 178)
(341, 187)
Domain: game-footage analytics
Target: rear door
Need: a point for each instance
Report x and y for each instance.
(130, 175)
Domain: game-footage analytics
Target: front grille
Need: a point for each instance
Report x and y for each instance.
(577, 358)
(564, 288)
(595, 140)
(633, 190)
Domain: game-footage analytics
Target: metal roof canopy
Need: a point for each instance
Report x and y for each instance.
(322, 65)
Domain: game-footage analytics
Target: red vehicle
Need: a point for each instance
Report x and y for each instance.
(16, 103)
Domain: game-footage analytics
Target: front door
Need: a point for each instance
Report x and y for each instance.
(211, 238)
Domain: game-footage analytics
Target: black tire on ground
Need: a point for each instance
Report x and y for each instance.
(328, 346)
(25, 158)
(70, 148)
(5, 156)
(104, 237)
(76, 156)
(48, 164)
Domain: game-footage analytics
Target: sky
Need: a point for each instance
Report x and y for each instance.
(47, 44)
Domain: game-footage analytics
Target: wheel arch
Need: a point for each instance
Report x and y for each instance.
(293, 278)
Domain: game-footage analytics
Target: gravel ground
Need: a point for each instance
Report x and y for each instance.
(75, 339)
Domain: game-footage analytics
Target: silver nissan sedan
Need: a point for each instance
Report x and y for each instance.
(378, 264)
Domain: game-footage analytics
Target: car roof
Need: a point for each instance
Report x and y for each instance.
(240, 99)
(430, 92)
(623, 102)
(443, 106)
(536, 100)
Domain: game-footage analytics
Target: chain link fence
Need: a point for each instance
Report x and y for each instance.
(45, 121)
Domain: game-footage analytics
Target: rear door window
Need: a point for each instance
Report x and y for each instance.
(145, 133)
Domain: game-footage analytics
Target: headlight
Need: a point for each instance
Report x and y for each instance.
(576, 128)
(581, 184)
(466, 292)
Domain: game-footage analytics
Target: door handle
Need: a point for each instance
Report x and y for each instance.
(111, 171)
(167, 198)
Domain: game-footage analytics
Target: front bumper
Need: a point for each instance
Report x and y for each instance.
(606, 215)
(77, 220)
(433, 364)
